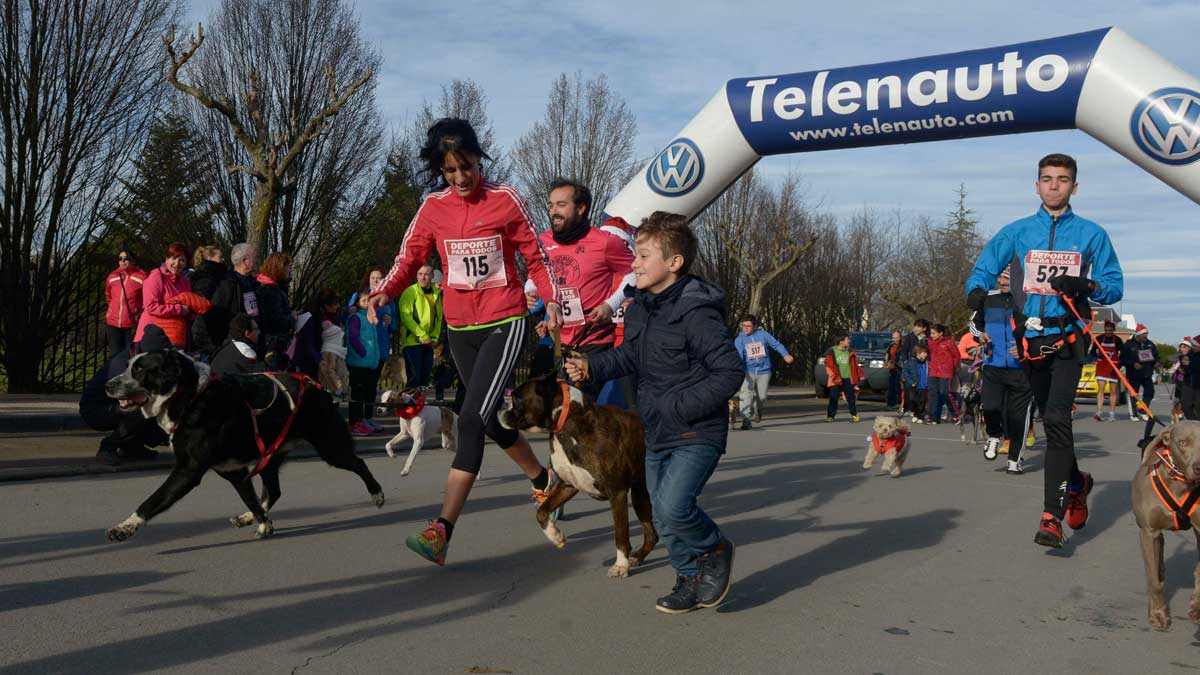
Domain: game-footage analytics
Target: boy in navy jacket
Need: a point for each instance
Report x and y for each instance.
(686, 372)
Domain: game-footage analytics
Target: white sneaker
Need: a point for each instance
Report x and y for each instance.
(1015, 467)
(1133, 418)
(1111, 417)
(915, 420)
(991, 448)
(1144, 417)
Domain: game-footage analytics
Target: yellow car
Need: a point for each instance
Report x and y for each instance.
(1087, 384)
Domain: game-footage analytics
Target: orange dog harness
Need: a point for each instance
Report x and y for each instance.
(896, 441)
(1181, 510)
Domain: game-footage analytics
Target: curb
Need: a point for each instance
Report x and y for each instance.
(40, 424)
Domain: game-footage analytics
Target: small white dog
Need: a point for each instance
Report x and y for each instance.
(889, 438)
(416, 419)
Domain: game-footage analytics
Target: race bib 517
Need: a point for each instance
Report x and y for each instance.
(755, 350)
(1042, 266)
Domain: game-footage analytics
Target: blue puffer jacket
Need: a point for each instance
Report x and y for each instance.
(1043, 232)
(686, 367)
(996, 319)
(916, 372)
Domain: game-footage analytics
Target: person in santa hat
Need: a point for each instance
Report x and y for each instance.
(1139, 357)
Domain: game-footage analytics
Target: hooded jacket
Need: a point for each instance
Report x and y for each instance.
(1025, 245)
(995, 320)
(685, 367)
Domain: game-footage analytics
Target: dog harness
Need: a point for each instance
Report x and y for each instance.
(265, 452)
(566, 407)
(1181, 510)
(896, 442)
(410, 411)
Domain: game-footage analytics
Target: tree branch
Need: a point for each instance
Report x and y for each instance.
(318, 121)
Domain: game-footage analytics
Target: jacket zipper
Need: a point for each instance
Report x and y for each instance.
(1042, 305)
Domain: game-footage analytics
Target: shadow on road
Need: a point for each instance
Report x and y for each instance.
(34, 594)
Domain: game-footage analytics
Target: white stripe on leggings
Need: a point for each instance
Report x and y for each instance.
(508, 359)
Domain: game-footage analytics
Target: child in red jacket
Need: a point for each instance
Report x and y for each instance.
(943, 359)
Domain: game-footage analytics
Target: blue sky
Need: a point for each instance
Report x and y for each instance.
(668, 63)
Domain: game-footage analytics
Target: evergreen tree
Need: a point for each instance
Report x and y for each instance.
(168, 198)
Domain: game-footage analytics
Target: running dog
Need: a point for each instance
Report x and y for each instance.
(597, 449)
(235, 425)
(1166, 490)
(890, 438)
(417, 419)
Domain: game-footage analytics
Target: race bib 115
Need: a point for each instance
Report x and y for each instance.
(475, 264)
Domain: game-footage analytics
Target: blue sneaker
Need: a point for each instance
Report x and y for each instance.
(540, 496)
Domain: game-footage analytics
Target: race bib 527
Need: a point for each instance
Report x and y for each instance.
(1042, 266)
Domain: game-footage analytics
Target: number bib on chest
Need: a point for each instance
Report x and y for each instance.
(619, 315)
(1042, 266)
(572, 306)
(250, 303)
(756, 350)
(1145, 355)
(476, 264)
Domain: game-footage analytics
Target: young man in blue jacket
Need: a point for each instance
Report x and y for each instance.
(752, 345)
(686, 370)
(1006, 393)
(1053, 253)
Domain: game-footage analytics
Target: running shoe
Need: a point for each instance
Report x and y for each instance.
(1110, 416)
(854, 418)
(915, 420)
(1144, 417)
(375, 427)
(430, 543)
(991, 449)
(1015, 467)
(1004, 447)
(360, 428)
(1030, 439)
(1077, 507)
(1098, 417)
(1050, 532)
(540, 496)
(1133, 418)
(828, 419)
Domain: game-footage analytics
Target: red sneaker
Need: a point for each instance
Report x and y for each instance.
(1050, 533)
(1077, 508)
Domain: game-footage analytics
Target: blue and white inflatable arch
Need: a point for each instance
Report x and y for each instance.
(1103, 82)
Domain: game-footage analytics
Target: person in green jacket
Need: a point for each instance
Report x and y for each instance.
(421, 317)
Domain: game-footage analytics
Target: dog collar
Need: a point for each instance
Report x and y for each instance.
(566, 407)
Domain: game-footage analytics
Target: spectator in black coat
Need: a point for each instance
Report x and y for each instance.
(132, 434)
(237, 356)
(234, 294)
(208, 270)
(275, 316)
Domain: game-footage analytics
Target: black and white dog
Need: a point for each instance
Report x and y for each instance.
(214, 423)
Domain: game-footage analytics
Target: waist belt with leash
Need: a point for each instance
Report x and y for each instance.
(1064, 338)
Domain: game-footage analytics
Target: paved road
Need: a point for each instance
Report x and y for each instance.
(838, 570)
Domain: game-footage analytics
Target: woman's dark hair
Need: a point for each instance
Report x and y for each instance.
(941, 328)
(448, 136)
(923, 323)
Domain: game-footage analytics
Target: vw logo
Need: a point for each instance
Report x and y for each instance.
(1166, 125)
(677, 169)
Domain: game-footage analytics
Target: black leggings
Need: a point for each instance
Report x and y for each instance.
(1053, 380)
(485, 359)
(363, 383)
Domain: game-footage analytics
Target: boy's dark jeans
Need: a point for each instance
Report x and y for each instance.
(835, 392)
(916, 400)
(676, 477)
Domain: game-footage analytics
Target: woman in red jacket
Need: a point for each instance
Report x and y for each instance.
(123, 290)
(476, 227)
(943, 360)
(163, 284)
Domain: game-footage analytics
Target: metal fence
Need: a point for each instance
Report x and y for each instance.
(78, 348)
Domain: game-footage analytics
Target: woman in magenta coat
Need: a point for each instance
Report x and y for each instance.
(165, 282)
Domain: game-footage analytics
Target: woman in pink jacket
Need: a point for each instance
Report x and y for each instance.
(123, 291)
(164, 283)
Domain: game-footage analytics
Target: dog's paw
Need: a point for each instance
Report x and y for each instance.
(404, 471)
(555, 535)
(867, 465)
(125, 529)
(264, 530)
(244, 520)
(618, 571)
(378, 499)
(1194, 612)
(1160, 619)
(390, 450)
(895, 472)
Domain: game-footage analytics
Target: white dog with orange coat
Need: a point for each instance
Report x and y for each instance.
(890, 438)
(416, 419)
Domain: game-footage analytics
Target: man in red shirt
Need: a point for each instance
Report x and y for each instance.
(584, 262)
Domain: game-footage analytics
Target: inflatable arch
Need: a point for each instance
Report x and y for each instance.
(1103, 82)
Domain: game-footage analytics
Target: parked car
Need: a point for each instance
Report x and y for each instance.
(1087, 385)
(871, 348)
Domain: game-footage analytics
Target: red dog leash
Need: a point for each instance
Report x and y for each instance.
(267, 453)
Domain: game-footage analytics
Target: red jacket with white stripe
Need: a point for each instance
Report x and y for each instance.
(123, 290)
(475, 237)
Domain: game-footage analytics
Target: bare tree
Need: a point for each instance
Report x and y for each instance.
(79, 81)
(587, 135)
(276, 75)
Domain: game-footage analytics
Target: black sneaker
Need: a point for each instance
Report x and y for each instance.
(683, 597)
(108, 457)
(716, 567)
(745, 425)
